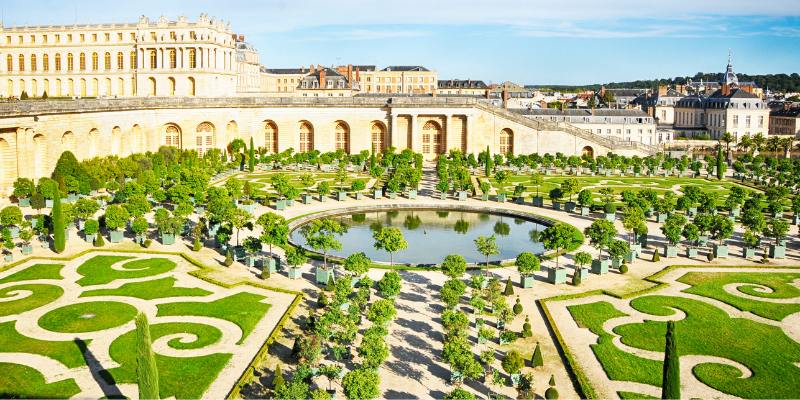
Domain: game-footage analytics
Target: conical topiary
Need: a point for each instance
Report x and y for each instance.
(526, 328)
(331, 285)
(322, 300)
(277, 381)
(552, 380)
(228, 258)
(509, 288)
(196, 246)
(536, 359)
(265, 274)
(517, 307)
(576, 278)
(656, 256)
(671, 375)
(99, 241)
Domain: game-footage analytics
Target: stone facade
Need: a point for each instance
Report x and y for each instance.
(33, 134)
(147, 58)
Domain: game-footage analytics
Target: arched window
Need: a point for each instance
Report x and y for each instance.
(153, 58)
(306, 137)
(58, 62)
(171, 82)
(40, 155)
(121, 87)
(152, 86)
(9, 63)
(342, 136)
(192, 87)
(206, 136)
(107, 61)
(172, 136)
(271, 136)
(70, 62)
(95, 87)
(95, 62)
(70, 87)
(82, 62)
(33, 62)
(378, 132)
(58, 88)
(192, 58)
(34, 87)
(94, 140)
(116, 140)
(173, 61)
(10, 88)
(45, 62)
(83, 87)
(68, 142)
(108, 88)
(137, 140)
(120, 60)
(21, 62)
(506, 141)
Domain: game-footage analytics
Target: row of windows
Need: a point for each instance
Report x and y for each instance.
(92, 88)
(96, 37)
(109, 61)
(619, 131)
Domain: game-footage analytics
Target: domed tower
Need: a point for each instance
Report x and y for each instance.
(729, 80)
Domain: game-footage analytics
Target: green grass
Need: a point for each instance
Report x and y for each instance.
(98, 270)
(243, 309)
(65, 352)
(707, 330)
(711, 285)
(41, 294)
(181, 377)
(148, 290)
(36, 271)
(20, 381)
(618, 365)
(88, 317)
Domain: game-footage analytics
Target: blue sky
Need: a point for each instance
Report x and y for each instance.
(532, 42)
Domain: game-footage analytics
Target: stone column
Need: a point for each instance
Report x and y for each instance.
(415, 144)
(393, 132)
(468, 120)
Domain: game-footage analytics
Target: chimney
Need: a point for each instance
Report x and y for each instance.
(350, 74)
(322, 78)
(506, 95)
(241, 38)
(662, 90)
(311, 69)
(358, 78)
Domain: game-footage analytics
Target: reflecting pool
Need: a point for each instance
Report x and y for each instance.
(433, 234)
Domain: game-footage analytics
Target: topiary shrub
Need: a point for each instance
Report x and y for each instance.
(509, 288)
(228, 258)
(322, 300)
(710, 256)
(536, 359)
(623, 269)
(196, 246)
(526, 328)
(147, 243)
(656, 256)
(576, 278)
(99, 241)
(551, 393)
(517, 307)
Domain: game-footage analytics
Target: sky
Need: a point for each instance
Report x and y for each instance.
(525, 41)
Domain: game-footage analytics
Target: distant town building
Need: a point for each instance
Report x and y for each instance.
(622, 97)
(660, 105)
(629, 125)
(785, 122)
(463, 87)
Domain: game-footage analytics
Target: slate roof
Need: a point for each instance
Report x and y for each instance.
(285, 70)
(405, 68)
(461, 84)
(791, 112)
(582, 112)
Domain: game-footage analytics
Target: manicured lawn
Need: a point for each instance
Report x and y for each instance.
(243, 309)
(148, 290)
(617, 364)
(711, 285)
(179, 377)
(36, 271)
(707, 330)
(20, 381)
(65, 352)
(88, 317)
(634, 396)
(40, 294)
(102, 269)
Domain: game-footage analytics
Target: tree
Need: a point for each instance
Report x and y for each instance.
(357, 263)
(23, 188)
(459, 394)
(721, 228)
(454, 266)
(451, 292)
(513, 362)
(487, 245)
(373, 351)
(321, 234)
(277, 380)
(583, 258)
(116, 216)
(11, 215)
(600, 234)
(295, 257)
(389, 285)
(673, 227)
(671, 376)
(361, 384)
(527, 263)
(558, 237)
(146, 368)
(238, 219)
(275, 230)
(633, 218)
(251, 157)
(691, 233)
(488, 163)
(391, 240)
(139, 226)
(536, 180)
(618, 249)
(59, 231)
(721, 166)
(777, 228)
(381, 311)
(585, 197)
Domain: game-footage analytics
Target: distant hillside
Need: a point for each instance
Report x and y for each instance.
(775, 82)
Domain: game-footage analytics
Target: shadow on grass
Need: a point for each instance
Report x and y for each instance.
(106, 382)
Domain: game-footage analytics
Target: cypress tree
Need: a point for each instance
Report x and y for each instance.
(671, 377)
(489, 164)
(59, 234)
(277, 381)
(251, 162)
(720, 164)
(146, 370)
(536, 360)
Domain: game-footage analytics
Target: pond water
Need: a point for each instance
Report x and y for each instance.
(433, 234)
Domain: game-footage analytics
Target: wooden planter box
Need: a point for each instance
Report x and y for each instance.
(280, 205)
(501, 198)
(462, 195)
(616, 262)
(600, 267)
(27, 250)
(583, 273)
(377, 194)
(776, 251)
(392, 195)
(48, 203)
(485, 197)
(341, 196)
(167, 238)
(630, 257)
(250, 208)
(307, 198)
(692, 252)
(359, 195)
(569, 206)
(670, 251)
(24, 202)
(557, 275)
(412, 194)
(661, 217)
(89, 238)
(322, 275)
(748, 252)
(556, 205)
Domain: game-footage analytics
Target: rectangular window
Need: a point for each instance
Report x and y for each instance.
(192, 35)
(108, 37)
(33, 38)
(58, 38)
(8, 39)
(173, 36)
(747, 121)
(153, 36)
(94, 37)
(44, 38)
(83, 37)
(69, 38)
(761, 121)
(119, 36)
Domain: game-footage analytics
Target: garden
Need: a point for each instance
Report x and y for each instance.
(68, 327)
